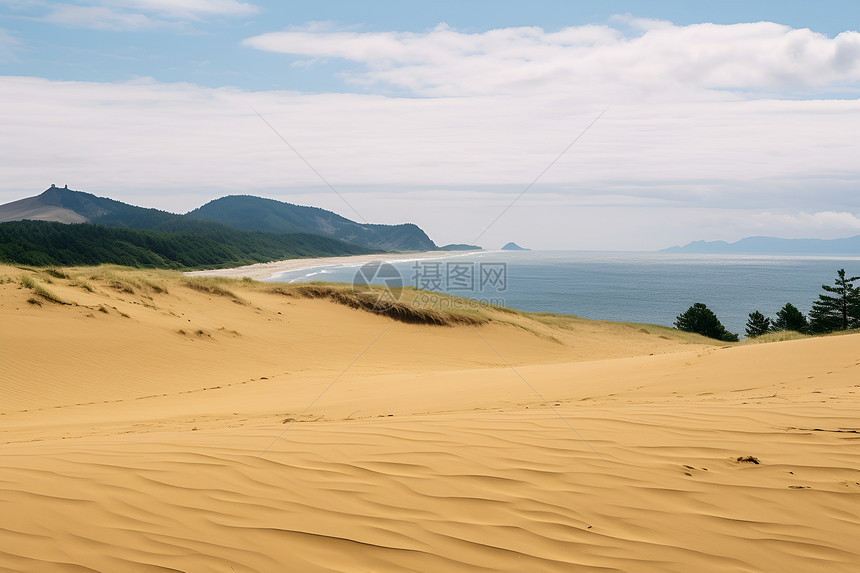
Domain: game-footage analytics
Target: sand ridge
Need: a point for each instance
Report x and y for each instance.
(127, 445)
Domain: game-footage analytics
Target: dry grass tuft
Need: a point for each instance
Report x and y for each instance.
(153, 286)
(213, 286)
(48, 295)
(28, 282)
(80, 283)
(405, 309)
(121, 286)
(776, 336)
(56, 273)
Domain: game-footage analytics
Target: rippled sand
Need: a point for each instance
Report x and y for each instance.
(287, 434)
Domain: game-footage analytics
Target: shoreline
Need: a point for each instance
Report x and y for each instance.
(262, 271)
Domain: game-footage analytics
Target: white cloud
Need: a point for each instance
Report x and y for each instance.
(675, 158)
(661, 60)
(449, 164)
(138, 14)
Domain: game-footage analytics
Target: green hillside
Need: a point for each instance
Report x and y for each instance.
(188, 245)
(250, 213)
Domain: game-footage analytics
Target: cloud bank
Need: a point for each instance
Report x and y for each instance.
(648, 58)
(711, 132)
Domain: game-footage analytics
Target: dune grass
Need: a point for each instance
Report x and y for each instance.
(402, 305)
(29, 282)
(777, 336)
(114, 279)
(216, 286)
(409, 304)
(125, 280)
(48, 295)
(80, 283)
(154, 286)
(571, 322)
(785, 335)
(56, 273)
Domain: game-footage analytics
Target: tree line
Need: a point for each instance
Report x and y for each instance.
(186, 245)
(837, 308)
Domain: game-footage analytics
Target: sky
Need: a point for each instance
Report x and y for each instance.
(558, 125)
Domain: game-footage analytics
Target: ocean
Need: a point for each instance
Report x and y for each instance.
(648, 288)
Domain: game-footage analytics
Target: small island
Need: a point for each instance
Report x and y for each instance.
(460, 247)
(514, 247)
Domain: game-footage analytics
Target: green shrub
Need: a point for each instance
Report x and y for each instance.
(757, 324)
(702, 320)
(790, 318)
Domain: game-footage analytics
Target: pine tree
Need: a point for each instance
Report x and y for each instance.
(839, 311)
(757, 324)
(702, 320)
(790, 318)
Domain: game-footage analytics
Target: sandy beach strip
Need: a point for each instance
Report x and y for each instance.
(268, 270)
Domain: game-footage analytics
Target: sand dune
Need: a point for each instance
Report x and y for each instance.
(33, 209)
(283, 433)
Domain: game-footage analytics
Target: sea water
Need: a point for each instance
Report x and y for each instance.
(648, 288)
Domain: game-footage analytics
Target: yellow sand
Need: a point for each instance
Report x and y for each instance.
(279, 433)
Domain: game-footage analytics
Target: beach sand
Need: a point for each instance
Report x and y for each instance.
(156, 424)
(262, 271)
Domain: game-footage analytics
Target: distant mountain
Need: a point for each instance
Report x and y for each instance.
(773, 246)
(514, 247)
(66, 227)
(256, 214)
(460, 247)
(37, 209)
(245, 213)
(63, 205)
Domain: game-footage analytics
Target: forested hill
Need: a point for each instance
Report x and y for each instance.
(45, 243)
(62, 226)
(242, 212)
(257, 214)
